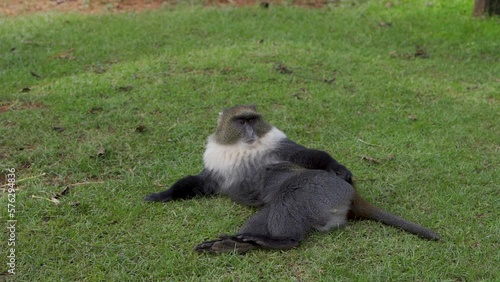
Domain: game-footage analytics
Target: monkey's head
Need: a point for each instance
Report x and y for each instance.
(240, 123)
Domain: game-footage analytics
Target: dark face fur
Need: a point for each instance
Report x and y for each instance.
(240, 123)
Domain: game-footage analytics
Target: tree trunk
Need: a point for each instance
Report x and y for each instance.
(490, 7)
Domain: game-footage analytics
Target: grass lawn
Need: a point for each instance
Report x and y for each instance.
(97, 111)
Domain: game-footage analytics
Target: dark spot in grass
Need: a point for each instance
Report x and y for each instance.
(300, 95)
(283, 69)
(100, 153)
(25, 165)
(329, 81)
(226, 70)
(27, 147)
(75, 204)
(140, 128)
(420, 53)
(58, 128)
(35, 74)
(371, 159)
(412, 117)
(384, 24)
(25, 89)
(472, 88)
(99, 68)
(264, 4)
(13, 49)
(126, 88)
(94, 110)
(65, 191)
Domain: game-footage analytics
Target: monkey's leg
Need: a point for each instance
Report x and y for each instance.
(226, 243)
(254, 234)
(272, 228)
(186, 188)
(257, 224)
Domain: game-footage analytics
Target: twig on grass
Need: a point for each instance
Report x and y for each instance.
(24, 179)
(85, 183)
(53, 199)
(369, 144)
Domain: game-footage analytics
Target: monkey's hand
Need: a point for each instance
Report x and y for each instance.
(342, 172)
(317, 159)
(158, 197)
(225, 244)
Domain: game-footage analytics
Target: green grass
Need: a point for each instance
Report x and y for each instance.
(415, 86)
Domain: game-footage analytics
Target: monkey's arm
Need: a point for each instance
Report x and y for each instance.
(313, 159)
(186, 188)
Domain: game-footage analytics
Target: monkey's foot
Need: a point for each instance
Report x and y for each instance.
(268, 242)
(225, 244)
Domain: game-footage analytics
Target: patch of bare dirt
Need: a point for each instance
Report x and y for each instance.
(22, 7)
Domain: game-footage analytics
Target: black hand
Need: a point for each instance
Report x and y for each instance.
(344, 173)
(159, 197)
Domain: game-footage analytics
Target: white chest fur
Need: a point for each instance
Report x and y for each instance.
(229, 161)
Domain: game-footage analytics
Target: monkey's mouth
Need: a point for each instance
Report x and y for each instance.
(251, 141)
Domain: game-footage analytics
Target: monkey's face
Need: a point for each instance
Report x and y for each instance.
(240, 124)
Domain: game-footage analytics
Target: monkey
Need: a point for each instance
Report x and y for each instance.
(297, 200)
(239, 161)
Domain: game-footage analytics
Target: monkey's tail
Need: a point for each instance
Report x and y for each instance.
(362, 209)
